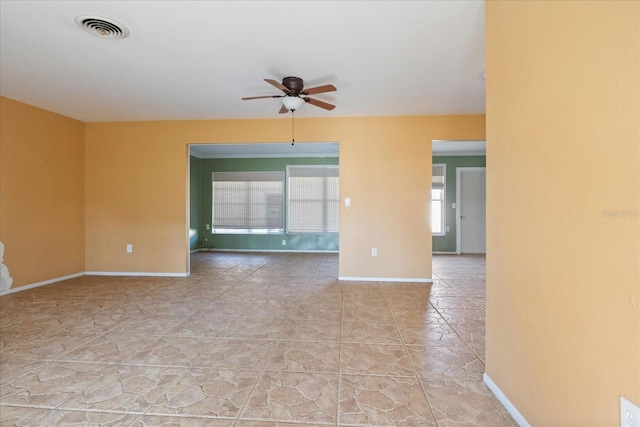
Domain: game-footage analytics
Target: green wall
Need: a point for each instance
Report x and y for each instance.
(194, 202)
(294, 242)
(447, 243)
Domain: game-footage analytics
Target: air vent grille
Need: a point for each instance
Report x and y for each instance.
(102, 27)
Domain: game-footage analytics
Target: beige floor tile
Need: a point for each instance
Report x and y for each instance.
(19, 330)
(366, 313)
(12, 367)
(108, 348)
(372, 332)
(317, 312)
(415, 312)
(270, 308)
(207, 393)
(446, 362)
(243, 423)
(452, 302)
(165, 421)
(152, 324)
(171, 351)
(369, 296)
(375, 359)
(455, 316)
(193, 350)
(429, 334)
(244, 328)
(50, 345)
(312, 330)
(223, 310)
(294, 396)
(124, 388)
(305, 356)
(83, 418)
(51, 384)
(383, 401)
(236, 354)
(19, 416)
(466, 403)
(201, 325)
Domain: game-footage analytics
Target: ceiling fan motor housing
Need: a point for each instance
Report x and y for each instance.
(294, 84)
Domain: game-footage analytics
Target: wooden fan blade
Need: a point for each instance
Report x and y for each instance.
(319, 89)
(320, 104)
(283, 110)
(278, 85)
(260, 97)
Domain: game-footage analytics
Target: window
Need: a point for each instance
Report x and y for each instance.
(248, 202)
(314, 201)
(437, 200)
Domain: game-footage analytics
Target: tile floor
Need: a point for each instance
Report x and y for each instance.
(249, 340)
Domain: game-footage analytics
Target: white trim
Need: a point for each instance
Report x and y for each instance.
(517, 416)
(385, 279)
(475, 153)
(43, 283)
(263, 156)
(444, 253)
(134, 273)
(267, 250)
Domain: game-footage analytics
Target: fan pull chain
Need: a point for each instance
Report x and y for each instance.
(293, 140)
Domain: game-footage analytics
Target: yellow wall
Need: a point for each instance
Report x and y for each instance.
(563, 141)
(137, 187)
(41, 193)
(74, 195)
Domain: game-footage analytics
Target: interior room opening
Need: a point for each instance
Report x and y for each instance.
(263, 197)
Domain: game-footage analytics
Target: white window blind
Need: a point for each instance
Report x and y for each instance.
(248, 202)
(437, 199)
(314, 199)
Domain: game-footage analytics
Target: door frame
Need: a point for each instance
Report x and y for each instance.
(458, 222)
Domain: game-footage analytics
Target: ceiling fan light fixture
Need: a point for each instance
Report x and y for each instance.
(292, 102)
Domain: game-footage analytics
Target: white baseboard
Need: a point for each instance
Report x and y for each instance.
(517, 416)
(134, 273)
(384, 279)
(444, 253)
(43, 283)
(268, 250)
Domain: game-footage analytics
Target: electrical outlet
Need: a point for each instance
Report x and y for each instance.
(207, 226)
(284, 242)
(129, 248)
(629, 413)
(347, 201)
(374, 251)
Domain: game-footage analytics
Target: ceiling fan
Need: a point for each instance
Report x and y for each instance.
(295, 94)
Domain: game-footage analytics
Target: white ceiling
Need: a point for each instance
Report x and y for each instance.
(196, 59)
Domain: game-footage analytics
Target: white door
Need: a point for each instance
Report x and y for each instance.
(471, 196)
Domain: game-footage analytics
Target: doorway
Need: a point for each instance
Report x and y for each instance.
(471, 210)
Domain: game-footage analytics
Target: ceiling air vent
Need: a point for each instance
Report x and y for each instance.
(102, 27)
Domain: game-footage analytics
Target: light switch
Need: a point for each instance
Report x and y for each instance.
(453, 205)
(347, 201)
